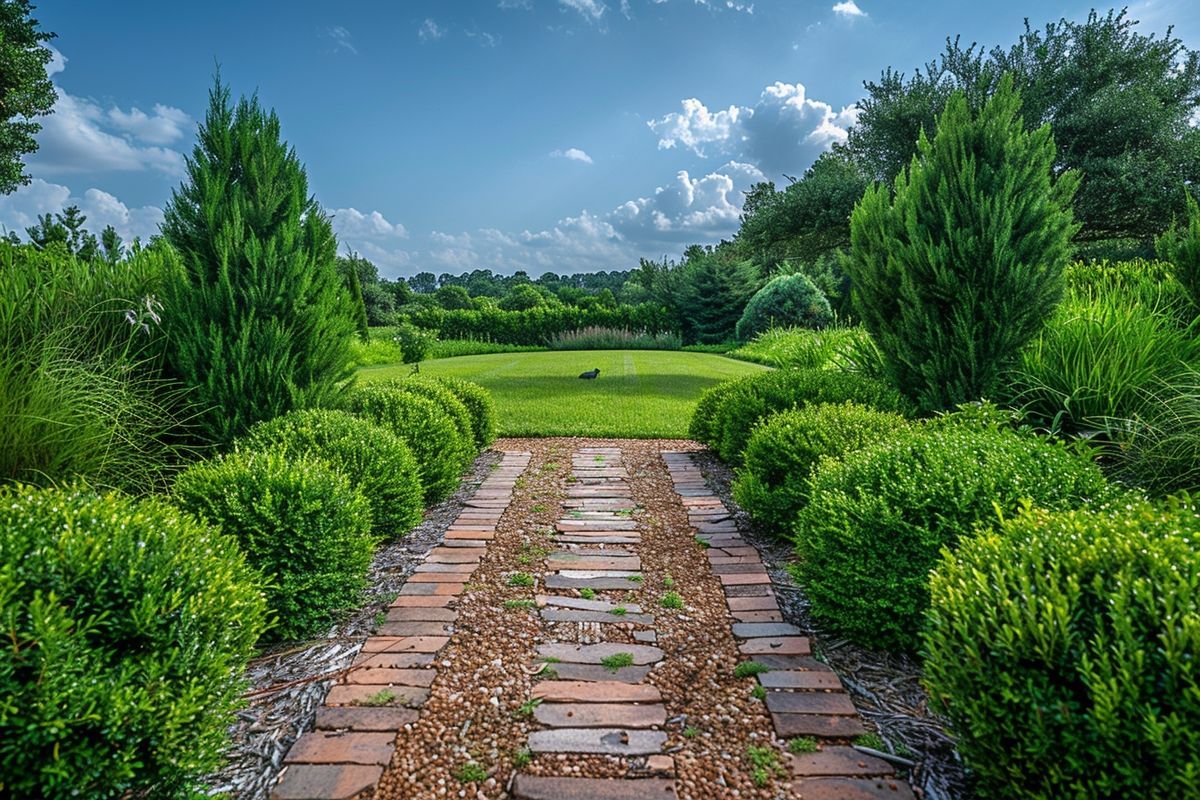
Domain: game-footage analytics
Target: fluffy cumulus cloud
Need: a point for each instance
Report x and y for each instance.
(372, 236)
(572, 154)
(848, 9)
(783, 132)
(84, 136)
(430, 31)
(686, 210)
(22, 208)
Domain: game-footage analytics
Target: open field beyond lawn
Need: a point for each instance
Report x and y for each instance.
(639, 394)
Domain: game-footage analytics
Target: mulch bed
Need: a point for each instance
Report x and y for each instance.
(286, 685)
(886, 687)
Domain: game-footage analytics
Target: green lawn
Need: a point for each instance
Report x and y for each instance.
(639, 394)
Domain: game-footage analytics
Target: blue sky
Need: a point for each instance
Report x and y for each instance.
(561, 135)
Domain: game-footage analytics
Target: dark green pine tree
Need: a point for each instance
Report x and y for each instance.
(259, 318)
(715, 293)
(963, 266)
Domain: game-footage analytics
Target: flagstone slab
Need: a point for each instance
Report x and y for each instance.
(361, 718)
(594, 653)
(395, 677)
(601, 617)
(416, 628)
(757, 616)
(404, 644)
(825, 726)
(826, 703)
(568, 525)
(603, 741)
(360, 694)
(536, 787)
(559, 581)
(763, 603)
(325, 781)
(595, 672)
(457, 533)
(394, 660)
(324, 747)
(838, 760)
(852, 789)
(562, 561)
(584, 605)
(594, 538)
(783, 645)
(421, 615)
(800, 679)
(600, 715)
(425, 566)
(751, 630)
(455, 555)
(595, 692)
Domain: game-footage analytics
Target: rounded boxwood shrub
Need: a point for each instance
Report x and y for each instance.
(455, 409)
(780, 390)
(481, 406)
(127, 625)
(786, 447)
(305, 528)
(877, 519)
(703, 425)
(1064, 647)
(786, 301)
(423, 425)
(375, 460)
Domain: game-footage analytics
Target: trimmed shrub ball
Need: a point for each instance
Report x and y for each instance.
(779, 390)
(454, 408)
(1065, 648)
(127, 625)
(786, 301)
(305, 528)
(423, 425)
(785, 448)
(703, 425)
(481, 406)
(375, 460)
(876, 520)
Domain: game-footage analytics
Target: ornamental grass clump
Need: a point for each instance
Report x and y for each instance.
(877, 520)
(785, 448)
(374, 459)
(300, 523)
(1064, 646)
(127, 627)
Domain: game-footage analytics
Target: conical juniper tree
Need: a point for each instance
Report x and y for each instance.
(259, 318)
(963, 265)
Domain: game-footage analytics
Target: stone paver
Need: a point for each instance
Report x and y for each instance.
(600, 715)
(595, 653)
(603, 741)
(532, 787)
(595, 692)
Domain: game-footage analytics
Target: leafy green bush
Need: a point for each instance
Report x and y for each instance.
(597, 338)
(455, 409)
(1093, 366)
(414, 343)
(422, 424)
(1064, 647)
(1181, 247)
(876, 520)
(375, 460)
(81, 388)
(800, 348)
(770, 392)
(127, 626)
(375, 352)
(300, 523)
(785, 301)
(481, 406)
(451, 348)
(959, 265)
(785, 448)
(703, 426)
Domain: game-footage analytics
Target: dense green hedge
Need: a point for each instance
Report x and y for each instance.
(537, 326)
(481, 406)
(455, 409)
(127, 626)
(375, 460)
(423, 425)
(877, 520)
(300, 523)
(735, 412)
(784, 450)
(1065, 649)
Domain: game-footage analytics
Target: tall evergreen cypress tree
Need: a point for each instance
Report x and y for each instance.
(258, 318)
(354, 285)
(963, 266)
(714, 296)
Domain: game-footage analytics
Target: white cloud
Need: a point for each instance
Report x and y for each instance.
(783, 132)
(58, 62)
(848, 9)
(22, 208)
(81, 136)
(687, 210)
(509, 5)
(430, 31)
(342, 40)
(164, 126)
(572, 154)
(372, 236)
(591, 10)
(484, 38)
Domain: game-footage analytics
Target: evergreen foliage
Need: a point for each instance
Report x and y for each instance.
(358, 305)
(479, 404)
(127, 628)
(258, 318)
(1063, 648)
(786, 301)
(963, 267)
(714, 294)
(1180, 246)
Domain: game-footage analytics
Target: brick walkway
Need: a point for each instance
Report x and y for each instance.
(592, 698)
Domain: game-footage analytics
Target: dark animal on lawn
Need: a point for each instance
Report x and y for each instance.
(591, 374)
